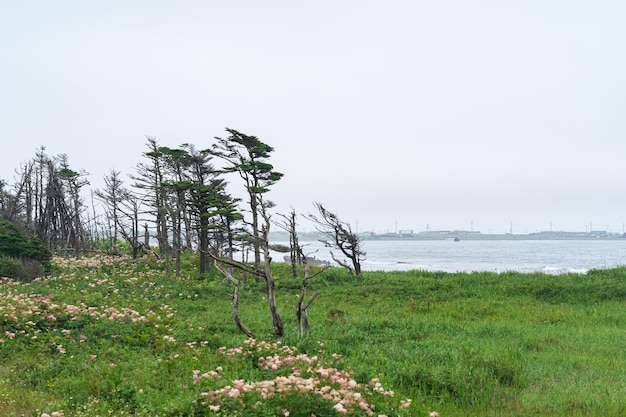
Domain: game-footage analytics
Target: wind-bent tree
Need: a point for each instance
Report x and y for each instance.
(338, 235)
(247, 156)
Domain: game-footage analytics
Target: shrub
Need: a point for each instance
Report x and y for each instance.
(15, 244)
(24, 270)
(10, 267)
(291, 384)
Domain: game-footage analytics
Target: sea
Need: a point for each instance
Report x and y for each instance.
(547, 256)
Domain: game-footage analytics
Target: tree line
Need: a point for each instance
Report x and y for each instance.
(176, 201)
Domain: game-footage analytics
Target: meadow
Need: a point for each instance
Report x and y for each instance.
(109, 337)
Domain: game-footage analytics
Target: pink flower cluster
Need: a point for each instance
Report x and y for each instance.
(197, 377)
(113, 314)
(21, 313)
(309, 376)
(92, 262)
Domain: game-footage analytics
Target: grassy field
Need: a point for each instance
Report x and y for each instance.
(103, 337)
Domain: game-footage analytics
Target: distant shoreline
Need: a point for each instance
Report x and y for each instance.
(311, 236)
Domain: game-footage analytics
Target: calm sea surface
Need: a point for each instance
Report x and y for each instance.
(550, 256)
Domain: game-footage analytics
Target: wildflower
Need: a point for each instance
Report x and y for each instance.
(196, 376)
(404, 404)
(215, 408)
(434, 414)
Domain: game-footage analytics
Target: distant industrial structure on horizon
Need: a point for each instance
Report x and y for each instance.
(460, 234)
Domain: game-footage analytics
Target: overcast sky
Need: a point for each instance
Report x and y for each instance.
(480, 115)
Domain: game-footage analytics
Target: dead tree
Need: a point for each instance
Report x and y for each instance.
(269, 279)
(339, 235)
(289, 225)
(245, 268)
(149, 179)
(237, 285)
(302, 315)
(112, 196)
(266, 272)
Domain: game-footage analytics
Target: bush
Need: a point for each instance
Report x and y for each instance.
(15, 244)
(10, 267)
(25, 270)
(289, 383)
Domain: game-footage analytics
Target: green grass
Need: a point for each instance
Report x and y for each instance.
(125, 339)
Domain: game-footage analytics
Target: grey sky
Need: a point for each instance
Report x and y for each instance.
(455, 114)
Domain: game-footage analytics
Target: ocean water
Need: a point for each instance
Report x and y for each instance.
(549, 256)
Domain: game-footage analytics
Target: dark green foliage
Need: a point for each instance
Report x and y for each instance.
(10, 267)
(29, 254)
(17, 245)
(247, 155)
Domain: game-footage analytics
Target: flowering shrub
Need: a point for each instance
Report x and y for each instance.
(291, 384)
(27, 315)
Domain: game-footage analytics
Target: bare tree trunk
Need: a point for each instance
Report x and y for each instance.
(146, 236)
(237, 285)
(301, 313)
(256, 244)
(188, 228)
(269, 279)
(176, 238)
(203, 244)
